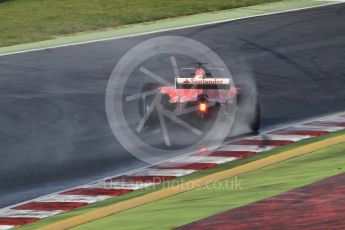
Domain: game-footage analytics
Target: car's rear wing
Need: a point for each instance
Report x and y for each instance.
(206, 83)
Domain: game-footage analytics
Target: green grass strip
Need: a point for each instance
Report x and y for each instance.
(228, 194)
(33, 24)
(179, 180)
(25, 21)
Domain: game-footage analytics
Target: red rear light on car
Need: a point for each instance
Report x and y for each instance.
(203, 107)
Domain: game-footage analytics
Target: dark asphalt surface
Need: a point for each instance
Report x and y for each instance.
(54, 131)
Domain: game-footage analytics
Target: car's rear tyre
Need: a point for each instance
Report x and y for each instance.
(144, 105)
(152, 119)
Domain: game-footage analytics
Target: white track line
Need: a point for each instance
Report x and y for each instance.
(204, 159)
(280, 137)
(6, 227)
(119, 185)
(334, 119)
(245, 148)
(164, 172)
(301, 122)
(171, 29)
(73, 198)
(330, 0)
(28, 213)
(314, 128)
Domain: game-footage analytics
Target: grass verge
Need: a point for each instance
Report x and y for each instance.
(190, 206)
(24, 21)
(179, 180)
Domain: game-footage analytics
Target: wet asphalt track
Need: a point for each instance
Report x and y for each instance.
(54, 131)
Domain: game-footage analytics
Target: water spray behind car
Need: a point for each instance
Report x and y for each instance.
(173, 110)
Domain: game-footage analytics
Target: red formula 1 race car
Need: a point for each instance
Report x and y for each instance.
(200, 95)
